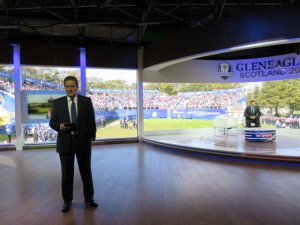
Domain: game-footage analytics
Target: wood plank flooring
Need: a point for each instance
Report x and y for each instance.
(137, 184)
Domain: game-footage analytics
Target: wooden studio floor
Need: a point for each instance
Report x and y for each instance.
(137, 184)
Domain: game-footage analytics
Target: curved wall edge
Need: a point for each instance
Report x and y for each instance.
(281, 67)
(295, 161)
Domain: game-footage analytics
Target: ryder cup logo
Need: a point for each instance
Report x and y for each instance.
(225, 70)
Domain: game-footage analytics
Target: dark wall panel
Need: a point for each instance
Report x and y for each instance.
(251, 27)
(6, 53)
(113, 57)
(49, 54)
(63, 54)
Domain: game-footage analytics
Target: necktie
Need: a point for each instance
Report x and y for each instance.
(73, 111)
(252, 110)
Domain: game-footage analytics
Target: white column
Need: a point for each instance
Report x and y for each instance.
(18, 104)
(140, 109)
(83, 71)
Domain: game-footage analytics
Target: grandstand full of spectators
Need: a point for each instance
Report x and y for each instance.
(108, 100)
(281, 121)
(104, 100)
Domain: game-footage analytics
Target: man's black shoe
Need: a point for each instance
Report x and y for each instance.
(91, 203)
(66, 207)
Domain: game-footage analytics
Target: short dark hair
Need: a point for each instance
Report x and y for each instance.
(71, 78)
(252, 101)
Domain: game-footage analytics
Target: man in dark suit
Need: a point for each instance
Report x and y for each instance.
(74, 140)
(252, 114)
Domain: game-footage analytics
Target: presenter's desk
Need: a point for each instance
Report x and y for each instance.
(260, 134)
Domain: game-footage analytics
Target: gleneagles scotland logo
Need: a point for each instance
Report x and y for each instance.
(225, 70)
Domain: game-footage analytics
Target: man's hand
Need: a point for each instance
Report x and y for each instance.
(252, 117)
(65, 128)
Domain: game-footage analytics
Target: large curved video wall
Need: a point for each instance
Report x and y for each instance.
(209, 89)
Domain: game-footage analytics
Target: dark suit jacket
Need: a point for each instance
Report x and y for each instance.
(85, 122)
(248, 112)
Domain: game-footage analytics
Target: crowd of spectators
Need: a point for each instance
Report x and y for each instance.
(6, 85)
(281, 121)
(113, 101)
(125, 122)
(39, 133)
(203, 100)
(30, 86)
(109, 101)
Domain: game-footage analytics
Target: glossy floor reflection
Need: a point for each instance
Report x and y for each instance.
(285, 146)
